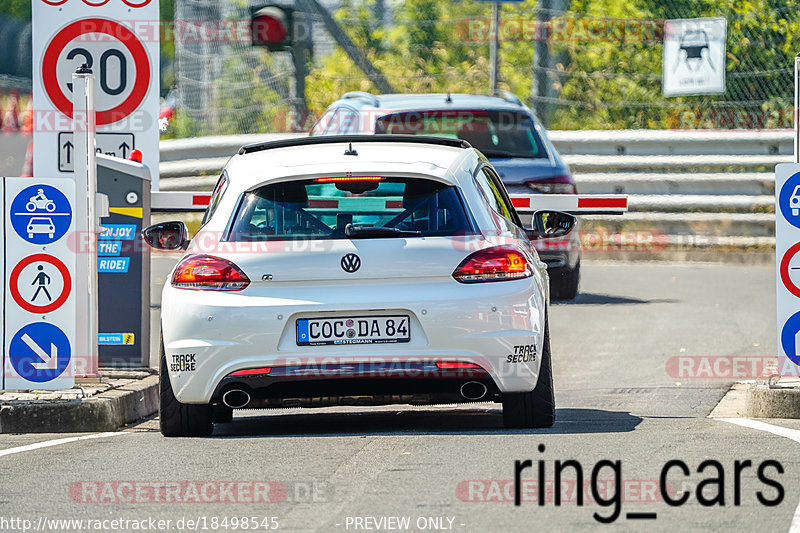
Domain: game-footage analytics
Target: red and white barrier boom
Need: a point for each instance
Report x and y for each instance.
(575, 204)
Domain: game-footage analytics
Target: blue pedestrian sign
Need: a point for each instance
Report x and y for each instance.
(40, 352)
(41, 214)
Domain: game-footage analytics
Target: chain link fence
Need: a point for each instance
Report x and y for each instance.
(581, 64)
(222, 83)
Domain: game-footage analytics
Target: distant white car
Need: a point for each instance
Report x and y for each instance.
(41, 225)
(356, 271)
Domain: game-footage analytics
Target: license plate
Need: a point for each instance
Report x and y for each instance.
(353, 330)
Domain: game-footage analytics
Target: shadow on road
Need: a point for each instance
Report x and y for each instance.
(479, 421)
(606, 299)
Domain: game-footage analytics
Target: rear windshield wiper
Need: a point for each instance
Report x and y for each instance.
(363, 232)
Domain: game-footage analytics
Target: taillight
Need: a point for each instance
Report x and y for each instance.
(206, 272)
(499, 263)
(563, 184)
(451, 365)
(251, 372)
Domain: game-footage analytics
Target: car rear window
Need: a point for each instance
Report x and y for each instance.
(350, 207)
(498, 134)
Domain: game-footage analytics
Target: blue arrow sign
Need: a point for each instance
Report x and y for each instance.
(41, 214)
(39, 352)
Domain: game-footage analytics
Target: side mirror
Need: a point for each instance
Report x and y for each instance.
(167, 236)
(551, 224)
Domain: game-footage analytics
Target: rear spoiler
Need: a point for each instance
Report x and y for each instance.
(574, 204)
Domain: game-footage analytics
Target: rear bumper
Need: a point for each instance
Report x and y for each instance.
(208, 336)
(360, 384)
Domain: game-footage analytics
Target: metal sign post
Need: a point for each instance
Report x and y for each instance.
(494, 48)
(84, 127)
(787, 248)
(796, 108)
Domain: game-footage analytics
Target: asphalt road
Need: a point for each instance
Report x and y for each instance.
(453, 468)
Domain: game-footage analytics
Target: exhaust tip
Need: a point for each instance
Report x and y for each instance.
(473, 390)
(235, 398)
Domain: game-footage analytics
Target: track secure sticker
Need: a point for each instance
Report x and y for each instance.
(183, 363)
(524, 353)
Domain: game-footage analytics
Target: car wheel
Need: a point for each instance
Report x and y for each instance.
(565, 285)
(178, 419)
(535, 409)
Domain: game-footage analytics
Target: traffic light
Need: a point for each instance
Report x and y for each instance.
(271, 26)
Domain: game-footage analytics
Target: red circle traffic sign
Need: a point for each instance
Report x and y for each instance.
(54, 2)
(96, 3)
(784, 270)
(107, 27)
(40, 258)
(134, 4)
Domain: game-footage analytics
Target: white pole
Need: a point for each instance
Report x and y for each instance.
(494, 48)
(83, 126)
(796, 108)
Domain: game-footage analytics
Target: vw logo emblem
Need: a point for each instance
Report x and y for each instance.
(351, 263)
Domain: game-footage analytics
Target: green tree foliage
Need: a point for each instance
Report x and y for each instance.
(424, 50)
(20, 9)
(607, 68)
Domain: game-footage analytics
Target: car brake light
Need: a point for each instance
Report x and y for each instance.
(500, 263)
(447, 365)
(348, 178)
(206, 272)
(556, 185)
(251, 372)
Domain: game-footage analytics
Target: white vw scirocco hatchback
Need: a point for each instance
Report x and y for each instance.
(356, 271)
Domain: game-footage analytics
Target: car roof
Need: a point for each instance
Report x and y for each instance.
(325, 156)
(422, 102)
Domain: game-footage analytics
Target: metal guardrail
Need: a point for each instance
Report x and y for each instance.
(583, 142)
(699, 187)
(674, 142)
(584, 151)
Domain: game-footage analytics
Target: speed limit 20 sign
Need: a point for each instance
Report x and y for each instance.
(119, 41)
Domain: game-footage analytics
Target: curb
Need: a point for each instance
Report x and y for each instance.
(105, 412)
(772, 402)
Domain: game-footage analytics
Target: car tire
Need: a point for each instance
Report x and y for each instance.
(178, 419)
(565, 285)
(535, 409)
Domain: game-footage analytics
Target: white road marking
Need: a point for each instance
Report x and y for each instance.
(56, 442)
(792, 434)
